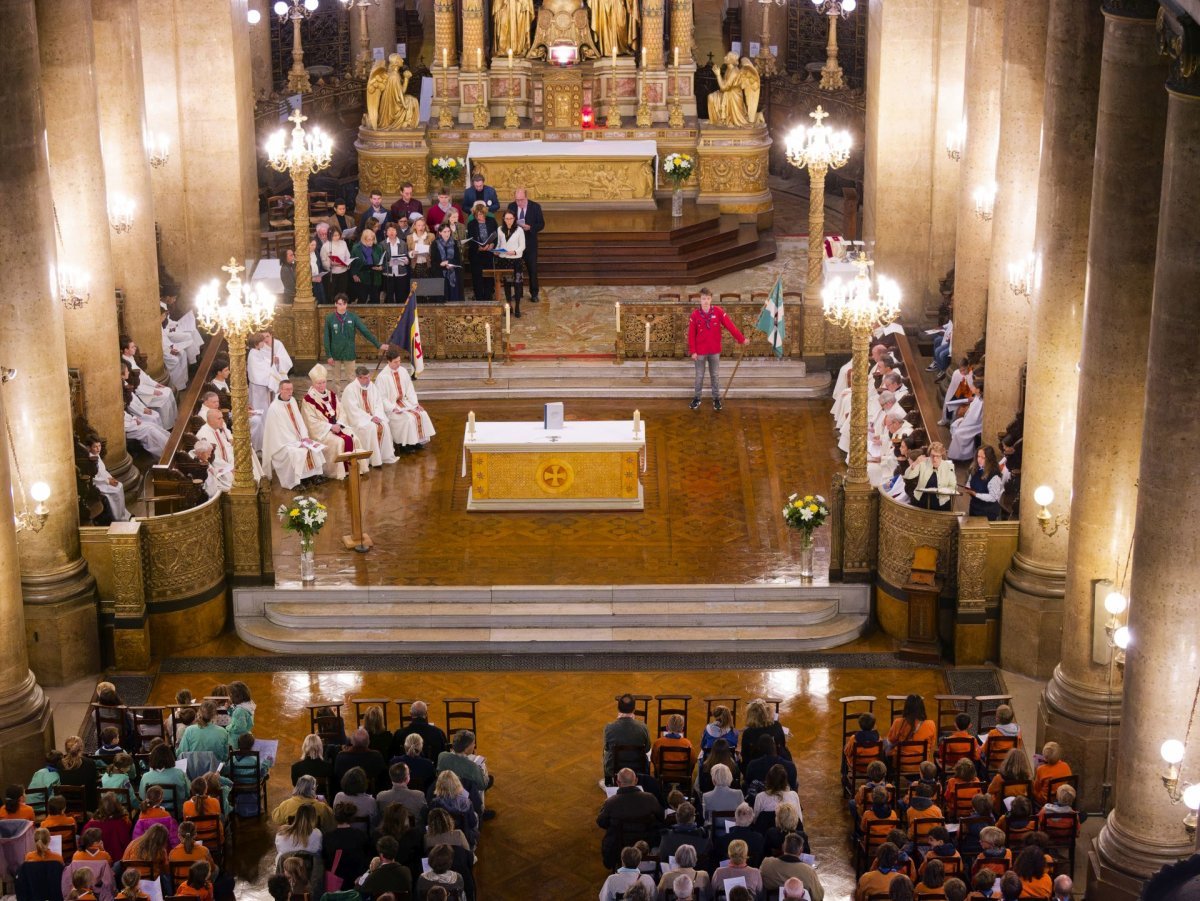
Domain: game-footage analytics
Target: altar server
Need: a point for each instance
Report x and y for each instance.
(112, 489)
(327, 423)
(159, 397)
(145, 430)
(267, 364)
(288, 451)
(363, 407)
(174, 348)
(410, 424)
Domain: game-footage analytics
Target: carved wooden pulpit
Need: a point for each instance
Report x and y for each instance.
(923, 589)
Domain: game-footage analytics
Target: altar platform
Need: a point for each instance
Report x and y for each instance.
(708, 563)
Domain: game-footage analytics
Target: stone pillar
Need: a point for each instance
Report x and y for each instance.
(1145, 831)
(973, 238)
(157, 29)
(59, 592)
(26, 727)
(653, 13)
(77, 187)
(445, 33)
(381, 25)
(1034, 583)
(1021, 99)
(218, 148)
(127, 169)
(260, 47)
(474, 52)
(1080, 701)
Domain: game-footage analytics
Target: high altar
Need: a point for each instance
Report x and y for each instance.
(578, 104)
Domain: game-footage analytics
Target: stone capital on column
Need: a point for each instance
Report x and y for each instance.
(1179, 39)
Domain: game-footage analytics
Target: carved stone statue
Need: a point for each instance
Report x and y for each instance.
(563, 21)
(615, 23)
(512, 22)
(389, 105)
(751, 86)
(727, 104)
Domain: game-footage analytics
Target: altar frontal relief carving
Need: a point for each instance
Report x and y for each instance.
(573, 178)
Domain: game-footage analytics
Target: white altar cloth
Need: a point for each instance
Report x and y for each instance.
(494, 150)
(575, 435)
(266, 271)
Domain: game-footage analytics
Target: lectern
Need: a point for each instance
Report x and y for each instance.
(923, 590)
(357, 540)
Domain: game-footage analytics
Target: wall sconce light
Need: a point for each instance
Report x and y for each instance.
(120, 213)
(1043, 496)
(74, 287)
(1022, 276)
(24, 519)
(985, 201)
(160, 150)
(956, 139)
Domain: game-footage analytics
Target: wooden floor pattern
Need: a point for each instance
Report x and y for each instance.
(541, 734)
(714, 487)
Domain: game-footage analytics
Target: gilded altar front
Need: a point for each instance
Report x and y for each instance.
(574, 180)
(562, 97)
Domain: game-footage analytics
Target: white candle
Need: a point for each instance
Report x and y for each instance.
(445, 58)
(643, 57)
(647, 336)
(471, 422)
(614, 54)
(487, 327)
(510, 57)
(507, 320)
(618, 316)
(676, 57)
(637, 421)
(478, 57)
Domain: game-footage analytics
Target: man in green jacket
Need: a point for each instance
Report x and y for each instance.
(340, 328)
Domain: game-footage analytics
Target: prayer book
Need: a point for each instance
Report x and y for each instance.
(553, 416)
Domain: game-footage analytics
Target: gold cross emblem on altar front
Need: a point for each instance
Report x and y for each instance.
(555, 476)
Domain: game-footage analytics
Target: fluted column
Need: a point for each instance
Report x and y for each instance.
(973, 239)
(1082, 697)
(127, 168)
(445, 34)
(1035, 581)
(1162, 672)
(260, 47)
(59, 593)
(77, 187)
(653, 13)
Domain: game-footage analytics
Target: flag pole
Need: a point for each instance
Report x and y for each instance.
(733, 374)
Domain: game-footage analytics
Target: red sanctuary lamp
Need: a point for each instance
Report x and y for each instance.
(587, 117)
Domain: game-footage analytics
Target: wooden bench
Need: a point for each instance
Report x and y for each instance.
(928, 406)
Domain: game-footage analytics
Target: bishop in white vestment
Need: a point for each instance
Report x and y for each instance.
(363, 407)
(327, 424)
(409, 422)
(288, 451)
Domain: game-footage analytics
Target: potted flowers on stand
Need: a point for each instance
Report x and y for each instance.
(679, 168)
(446, 170)
(305, 516)
(806, 515)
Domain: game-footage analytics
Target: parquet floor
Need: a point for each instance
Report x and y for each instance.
(541, 734)
(714, 484)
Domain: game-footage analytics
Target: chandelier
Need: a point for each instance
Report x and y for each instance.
(818, 146)
(860, 304)
(307, 152)
(245, 309)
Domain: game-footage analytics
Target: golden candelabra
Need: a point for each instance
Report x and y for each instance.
(675, 109)
(831, 74)
(296, 11)
(364, 38)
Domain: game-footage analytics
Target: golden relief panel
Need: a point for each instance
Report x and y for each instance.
(571, 178)
(903, 528)
(185, 552)
(541, 474)
(386, 173)
(733, 173)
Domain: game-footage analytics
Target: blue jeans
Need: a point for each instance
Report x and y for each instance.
(712, 361)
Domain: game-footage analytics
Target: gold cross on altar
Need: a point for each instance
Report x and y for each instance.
(554, 475)
(819, 114)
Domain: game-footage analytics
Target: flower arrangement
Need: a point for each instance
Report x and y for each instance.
(305, 516)
(807, 513)
(678, 167)
(447, 169)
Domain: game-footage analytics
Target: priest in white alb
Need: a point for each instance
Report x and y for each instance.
(159, 397)
(288, 451)
(216, 433)
(145, 430)
(410, 424)
(363, 407)
(267, 364)
(841, 389)
(327, 423)
(112, 489)
(219, 388)
(175, 351)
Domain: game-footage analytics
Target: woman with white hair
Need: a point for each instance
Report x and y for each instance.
(722, 797)
(685, 866)
(305, 793)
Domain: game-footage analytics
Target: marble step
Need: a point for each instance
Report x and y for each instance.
(261, 632)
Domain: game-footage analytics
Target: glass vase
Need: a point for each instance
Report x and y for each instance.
(677, 202)
(806, 554)
(308, 558)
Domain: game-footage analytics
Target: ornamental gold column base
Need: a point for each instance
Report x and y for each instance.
(613, 119)
(644, 118)
(511, 119)
(245, 543)
(860, 523)
(482, 116)
(832, 80)
(445, 118)
(298, 81)
(675, 114)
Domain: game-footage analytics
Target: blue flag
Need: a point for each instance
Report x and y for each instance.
(407, 333)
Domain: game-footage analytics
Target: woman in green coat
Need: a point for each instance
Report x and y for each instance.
(241, 712)
(205, 734)
(365, 270)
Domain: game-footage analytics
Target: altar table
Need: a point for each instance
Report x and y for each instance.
(587, 174)
(582, 466)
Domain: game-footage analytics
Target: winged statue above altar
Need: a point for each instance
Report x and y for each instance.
(563, 22)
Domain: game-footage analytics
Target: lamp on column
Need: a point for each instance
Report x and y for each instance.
(159, 150)
(985, 201)
(860, 305)
(956, 141)
(831, 74)
(120, 213)
(1023, 276)
(364, 39)
(303, 156)
(817, 148)
(1043, 496)
(73, 283)
(296, 11)
(25, 519)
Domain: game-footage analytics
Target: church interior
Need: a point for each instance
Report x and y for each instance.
(554, 459)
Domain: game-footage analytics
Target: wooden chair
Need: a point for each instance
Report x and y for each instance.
(1014, 836)
(632, 757)
(69, 839)
(965, 841)
(368, 703)
(151, 724)
(995, 751)
(922, 827)
(876, 835)
(985, 710)
(1051, 787)
(144, 867)
(951, 750)
(775, 704)
(319, 207)
(716, 820)
(179, 870)
(952, 864)
(330, 727)
(669, 706)
(641, 706)
(210, 833)
(958, 802)
(404, 705)
(280, 211)
(895, 706)
(710, 703)
(124, 795)
(247, 781)
(862, 755)
(76, 798)
(37, 799)
(1063, 830)
(460, 714)
(907, 757)
(675, 767)
(950, 706)
(104, 716)
(930, 894)
(854, 706)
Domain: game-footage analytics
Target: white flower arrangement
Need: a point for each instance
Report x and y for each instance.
(678, 167)
(447, 168)
(806, 513)
(305, 515)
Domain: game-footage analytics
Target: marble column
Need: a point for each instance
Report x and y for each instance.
(1034, 583)
(158, 31)
(59, 592)
(218, 147)
(77, 186)
(26, 727)
(381, 25)
(127, 169)
(1081, 700)
(1162, 671)
(1022, 95)
(260, 48)
(973, 238)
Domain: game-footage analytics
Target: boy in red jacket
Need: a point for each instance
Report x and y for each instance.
(704, 344)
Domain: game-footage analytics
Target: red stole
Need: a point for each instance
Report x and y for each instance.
(329, 411)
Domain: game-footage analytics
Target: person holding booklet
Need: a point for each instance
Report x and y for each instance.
(935, 477)
(510, 248)
(446, 257)
(481, 241)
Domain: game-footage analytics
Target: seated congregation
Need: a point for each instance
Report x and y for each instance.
(940, 810)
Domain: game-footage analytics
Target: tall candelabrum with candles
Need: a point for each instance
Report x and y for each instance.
(296, 11)
(364, 37)
(832, 78)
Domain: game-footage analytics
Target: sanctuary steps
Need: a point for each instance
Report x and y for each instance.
(567, 378)
(552, 619)
(623, 247)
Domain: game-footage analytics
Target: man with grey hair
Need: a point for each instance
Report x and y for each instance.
(1063, 886)
(793, 890)
(628, 816)
(683, 887)
(361, 754)
(461, 760)
(882, 462)
(433, 737)
(723, 797)
(685, 865)
(743, 818)
(788, 867)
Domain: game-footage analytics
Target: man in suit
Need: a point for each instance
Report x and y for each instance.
(626, 729)
(530, 219)
(624, 814)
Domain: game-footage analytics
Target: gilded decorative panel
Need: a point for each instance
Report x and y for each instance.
(185, 553)
(571, 178)
(733, 172)
(903, 528)
(553, 475)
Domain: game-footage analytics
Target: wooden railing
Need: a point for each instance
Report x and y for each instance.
(927, 404)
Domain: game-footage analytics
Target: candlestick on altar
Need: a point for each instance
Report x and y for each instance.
(646, 370)
(675, 113)
(507, 319)
(647, 336)
(618, 305)
(637, 423)
(487, 333)
(613, 119)
(471, 423)
(511, 119)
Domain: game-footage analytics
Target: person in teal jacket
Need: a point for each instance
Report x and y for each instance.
(205, 734)
(341, 326)
(46, 777)
(241, 713)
